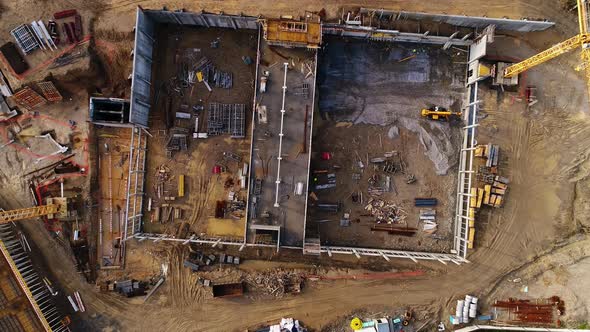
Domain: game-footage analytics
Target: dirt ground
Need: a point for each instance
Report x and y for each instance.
(203, 188)
(370, 97)
(546, 157)
(113, 167)
(365, 140)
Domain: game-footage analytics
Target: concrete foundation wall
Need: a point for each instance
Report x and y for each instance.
(142, 69)
(390, 35)
(466, 21)
(203, 19)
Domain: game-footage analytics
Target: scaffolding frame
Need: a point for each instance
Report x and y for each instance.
(135, 185)
(25, 38)
(226, 119)
(388, 254)
(465, 174)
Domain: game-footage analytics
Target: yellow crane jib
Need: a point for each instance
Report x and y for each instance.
(28, 213)
(548, 54)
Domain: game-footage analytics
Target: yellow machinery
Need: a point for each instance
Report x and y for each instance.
(28, 213)
(356, 324)
(439, 113)
(581, 40)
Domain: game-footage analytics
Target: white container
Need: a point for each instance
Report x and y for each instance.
(468, 299)
(460, 304)
(474, 300)
(299, 189)
(472, 313)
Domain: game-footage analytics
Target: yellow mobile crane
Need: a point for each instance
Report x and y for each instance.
(580, 40)
(439, 113)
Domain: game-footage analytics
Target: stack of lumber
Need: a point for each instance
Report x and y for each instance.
(490, 194)
(491, 153)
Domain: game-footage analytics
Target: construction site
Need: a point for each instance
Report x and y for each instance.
(299, 167)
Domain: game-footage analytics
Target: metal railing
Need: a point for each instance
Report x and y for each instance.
(388, 254)
(135, 185)
(465, 174)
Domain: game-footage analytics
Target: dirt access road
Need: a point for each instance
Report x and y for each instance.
(546, 152)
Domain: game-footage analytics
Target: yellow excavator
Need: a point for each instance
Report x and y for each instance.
(440, 113)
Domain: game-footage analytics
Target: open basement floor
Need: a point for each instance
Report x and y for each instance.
(374, 153)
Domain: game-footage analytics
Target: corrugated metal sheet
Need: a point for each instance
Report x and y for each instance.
(204, 19)
(142, 69)
(390, 35)
(467, 21)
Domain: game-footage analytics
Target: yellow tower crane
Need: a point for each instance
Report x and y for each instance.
(28, 213)
(580, 40)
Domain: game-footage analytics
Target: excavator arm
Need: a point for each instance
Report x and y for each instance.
(548, 54)
(20, 214)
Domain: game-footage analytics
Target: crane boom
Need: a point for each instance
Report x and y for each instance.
(20, 214)
(548, 54)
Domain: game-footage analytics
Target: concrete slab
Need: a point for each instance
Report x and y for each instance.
(290, 213)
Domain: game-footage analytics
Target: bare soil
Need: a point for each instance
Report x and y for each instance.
(203, 188)
(545, 155)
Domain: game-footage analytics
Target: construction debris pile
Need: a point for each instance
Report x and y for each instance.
(385, 212)
(541, 311)
(187, 118)
(275, 283)
(195, 69)
(165, 190)
(197, 260)
(129, 288)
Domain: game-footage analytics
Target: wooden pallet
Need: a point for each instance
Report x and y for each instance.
(29, 98)
(49, 91)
